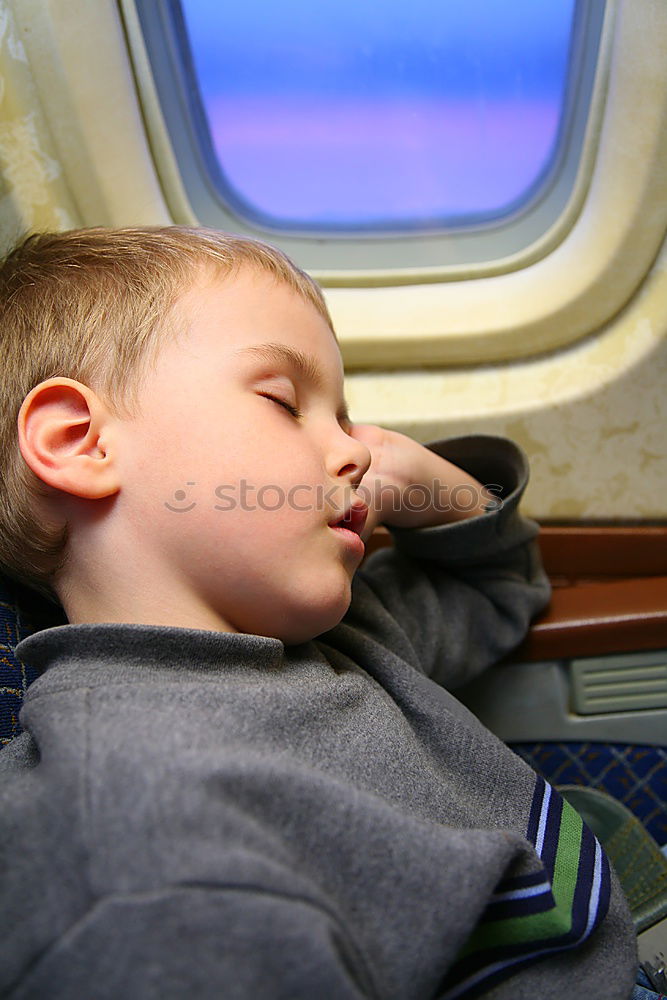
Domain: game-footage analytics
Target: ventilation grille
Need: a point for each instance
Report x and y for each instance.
(619, 684)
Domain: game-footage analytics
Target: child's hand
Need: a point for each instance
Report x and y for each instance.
(408, 486)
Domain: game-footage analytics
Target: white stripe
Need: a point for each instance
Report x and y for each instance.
(533, 890)
(488, 970)
(456, 991)
(594, 900)
(593, 905)
(508, 963)
(539, 841)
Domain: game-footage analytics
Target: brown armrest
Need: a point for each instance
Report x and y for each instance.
(609, 596)
(593, 619)
(594, 552)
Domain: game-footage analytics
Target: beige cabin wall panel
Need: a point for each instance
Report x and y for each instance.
(34, 194)
(78, 56)
(592, 418)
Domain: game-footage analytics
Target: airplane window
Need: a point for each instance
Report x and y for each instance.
(379, 115)
(370, 136)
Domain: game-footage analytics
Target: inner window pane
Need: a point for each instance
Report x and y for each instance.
(380, 113)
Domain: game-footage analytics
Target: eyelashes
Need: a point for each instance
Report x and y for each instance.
(344, 422)
(281, 402)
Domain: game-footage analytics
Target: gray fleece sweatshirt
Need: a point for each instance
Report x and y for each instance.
(192, 814)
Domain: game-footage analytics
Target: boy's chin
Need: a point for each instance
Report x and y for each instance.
(302, 626)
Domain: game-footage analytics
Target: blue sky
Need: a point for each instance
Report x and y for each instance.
(380, 109)
(449, 44)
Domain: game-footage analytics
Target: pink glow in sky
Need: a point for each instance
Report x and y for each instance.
(387, 160)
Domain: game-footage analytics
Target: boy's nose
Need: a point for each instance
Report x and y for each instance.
(350, 460)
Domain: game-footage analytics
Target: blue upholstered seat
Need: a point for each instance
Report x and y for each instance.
(22, 611)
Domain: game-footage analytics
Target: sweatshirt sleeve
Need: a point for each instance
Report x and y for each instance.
(455, 598)
(201, 941)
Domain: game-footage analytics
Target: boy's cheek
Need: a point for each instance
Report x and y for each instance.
(372, 522)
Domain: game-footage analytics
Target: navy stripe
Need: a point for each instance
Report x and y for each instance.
(512, 954)
(551, 834)
(506, 909)
(605, 888)
(582, 891)
(535, 810)
(589, 905)
(521, 881)
(492, 978)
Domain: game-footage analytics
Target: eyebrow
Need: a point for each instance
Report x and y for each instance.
(305, 365)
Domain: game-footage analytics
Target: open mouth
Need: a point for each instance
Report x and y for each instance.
(353, 520)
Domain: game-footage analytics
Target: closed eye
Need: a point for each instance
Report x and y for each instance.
(281, 402)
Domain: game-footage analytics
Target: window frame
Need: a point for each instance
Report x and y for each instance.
(100, 121)
(368, 257)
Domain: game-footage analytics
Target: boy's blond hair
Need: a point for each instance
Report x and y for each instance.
(93, 305)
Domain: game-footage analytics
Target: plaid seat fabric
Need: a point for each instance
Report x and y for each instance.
(22, 612)
(634, 775)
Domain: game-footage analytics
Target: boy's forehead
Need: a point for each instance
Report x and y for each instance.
(306, 365)
(254, 316)
(249, 290)
(248, 293)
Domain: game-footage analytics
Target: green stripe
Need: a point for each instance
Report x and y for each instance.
(536, 927)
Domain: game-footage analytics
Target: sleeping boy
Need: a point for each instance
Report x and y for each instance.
(242, 773)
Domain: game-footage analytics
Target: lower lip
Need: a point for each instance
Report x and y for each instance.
(351, 539)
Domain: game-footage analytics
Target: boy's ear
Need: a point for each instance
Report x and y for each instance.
(64, 436)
